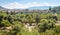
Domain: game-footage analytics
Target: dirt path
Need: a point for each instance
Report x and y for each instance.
(57, 23)
(29, 27)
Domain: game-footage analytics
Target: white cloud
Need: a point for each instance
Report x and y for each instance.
(27, 5)
(13, 5)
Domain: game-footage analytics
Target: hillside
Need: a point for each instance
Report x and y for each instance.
(56, 9)
(1, 8)
(41, 7)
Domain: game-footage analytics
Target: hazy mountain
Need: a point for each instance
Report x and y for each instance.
(2, 8)
(37, 7)
(56, 9)
(41, 7)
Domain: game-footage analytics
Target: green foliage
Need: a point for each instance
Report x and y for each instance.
(5, 23)
(57, 29)
(50, 32)
(45, 23)
(42, 25)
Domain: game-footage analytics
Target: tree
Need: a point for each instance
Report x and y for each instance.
(37, 19)
(42, 25)
(49, 9)
(1, 17)
(9, 18)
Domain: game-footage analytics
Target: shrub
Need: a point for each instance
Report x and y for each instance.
(5, 23)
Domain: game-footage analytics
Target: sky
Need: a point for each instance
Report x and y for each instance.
(12, 4)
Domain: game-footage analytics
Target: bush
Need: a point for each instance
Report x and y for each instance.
(45, 24)
(57, 29)
(50, 32)
(5, 23)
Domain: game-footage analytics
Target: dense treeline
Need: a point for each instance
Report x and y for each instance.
(44, 23)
